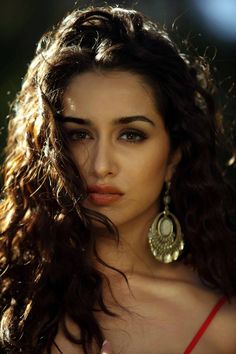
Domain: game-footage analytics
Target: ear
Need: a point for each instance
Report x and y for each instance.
(174, 160)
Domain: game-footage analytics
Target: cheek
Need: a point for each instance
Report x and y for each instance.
(155, 172)
(80, 156)
(152, 167)
(147, 177)
(153, 178)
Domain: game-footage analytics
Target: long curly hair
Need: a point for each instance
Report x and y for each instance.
(47, 245)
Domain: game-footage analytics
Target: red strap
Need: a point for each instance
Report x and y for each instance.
(204, 326)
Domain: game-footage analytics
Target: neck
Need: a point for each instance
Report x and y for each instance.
(132, 253)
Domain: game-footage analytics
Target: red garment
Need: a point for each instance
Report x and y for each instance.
(204, 326)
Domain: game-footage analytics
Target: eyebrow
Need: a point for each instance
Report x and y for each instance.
(117, 121)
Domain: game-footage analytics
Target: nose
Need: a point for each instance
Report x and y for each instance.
(103, 160)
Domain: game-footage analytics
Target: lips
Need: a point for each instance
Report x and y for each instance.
(104, 189)
(103, 194)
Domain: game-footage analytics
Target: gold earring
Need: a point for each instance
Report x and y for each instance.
(165, 236)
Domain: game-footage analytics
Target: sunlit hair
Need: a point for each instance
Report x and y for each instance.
(47, 244)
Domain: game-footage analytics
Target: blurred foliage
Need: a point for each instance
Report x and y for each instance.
(22, 22)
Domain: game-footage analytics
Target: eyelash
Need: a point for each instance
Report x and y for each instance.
(71, 133)
(137, 133)
(138, 136)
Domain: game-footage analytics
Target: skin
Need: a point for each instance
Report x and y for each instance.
(167, 302)
(128, 156)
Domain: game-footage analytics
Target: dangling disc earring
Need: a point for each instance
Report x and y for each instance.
(165, 236)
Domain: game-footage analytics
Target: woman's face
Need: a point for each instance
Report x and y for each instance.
(119, 142)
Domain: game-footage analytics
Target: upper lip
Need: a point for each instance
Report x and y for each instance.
(103, 189)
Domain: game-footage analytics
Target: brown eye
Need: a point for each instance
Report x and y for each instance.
(78, 135)
(133, 136)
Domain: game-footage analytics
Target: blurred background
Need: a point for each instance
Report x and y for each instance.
(209, 25)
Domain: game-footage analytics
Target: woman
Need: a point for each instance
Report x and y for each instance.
(116, 230)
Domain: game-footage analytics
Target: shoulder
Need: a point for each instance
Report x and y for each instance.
(62, 345)
(223, 327)
(213, 315)
(217, 318)
(199, 305)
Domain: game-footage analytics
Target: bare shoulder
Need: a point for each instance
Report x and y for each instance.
(64, 346)
(228, 312)
(224, 327)
(219, 315)
(196, 302)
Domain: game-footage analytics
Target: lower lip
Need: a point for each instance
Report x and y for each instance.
(103, 199)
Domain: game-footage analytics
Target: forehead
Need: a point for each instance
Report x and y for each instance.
(112, 91)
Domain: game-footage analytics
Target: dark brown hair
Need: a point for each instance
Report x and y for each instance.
(47, 244)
